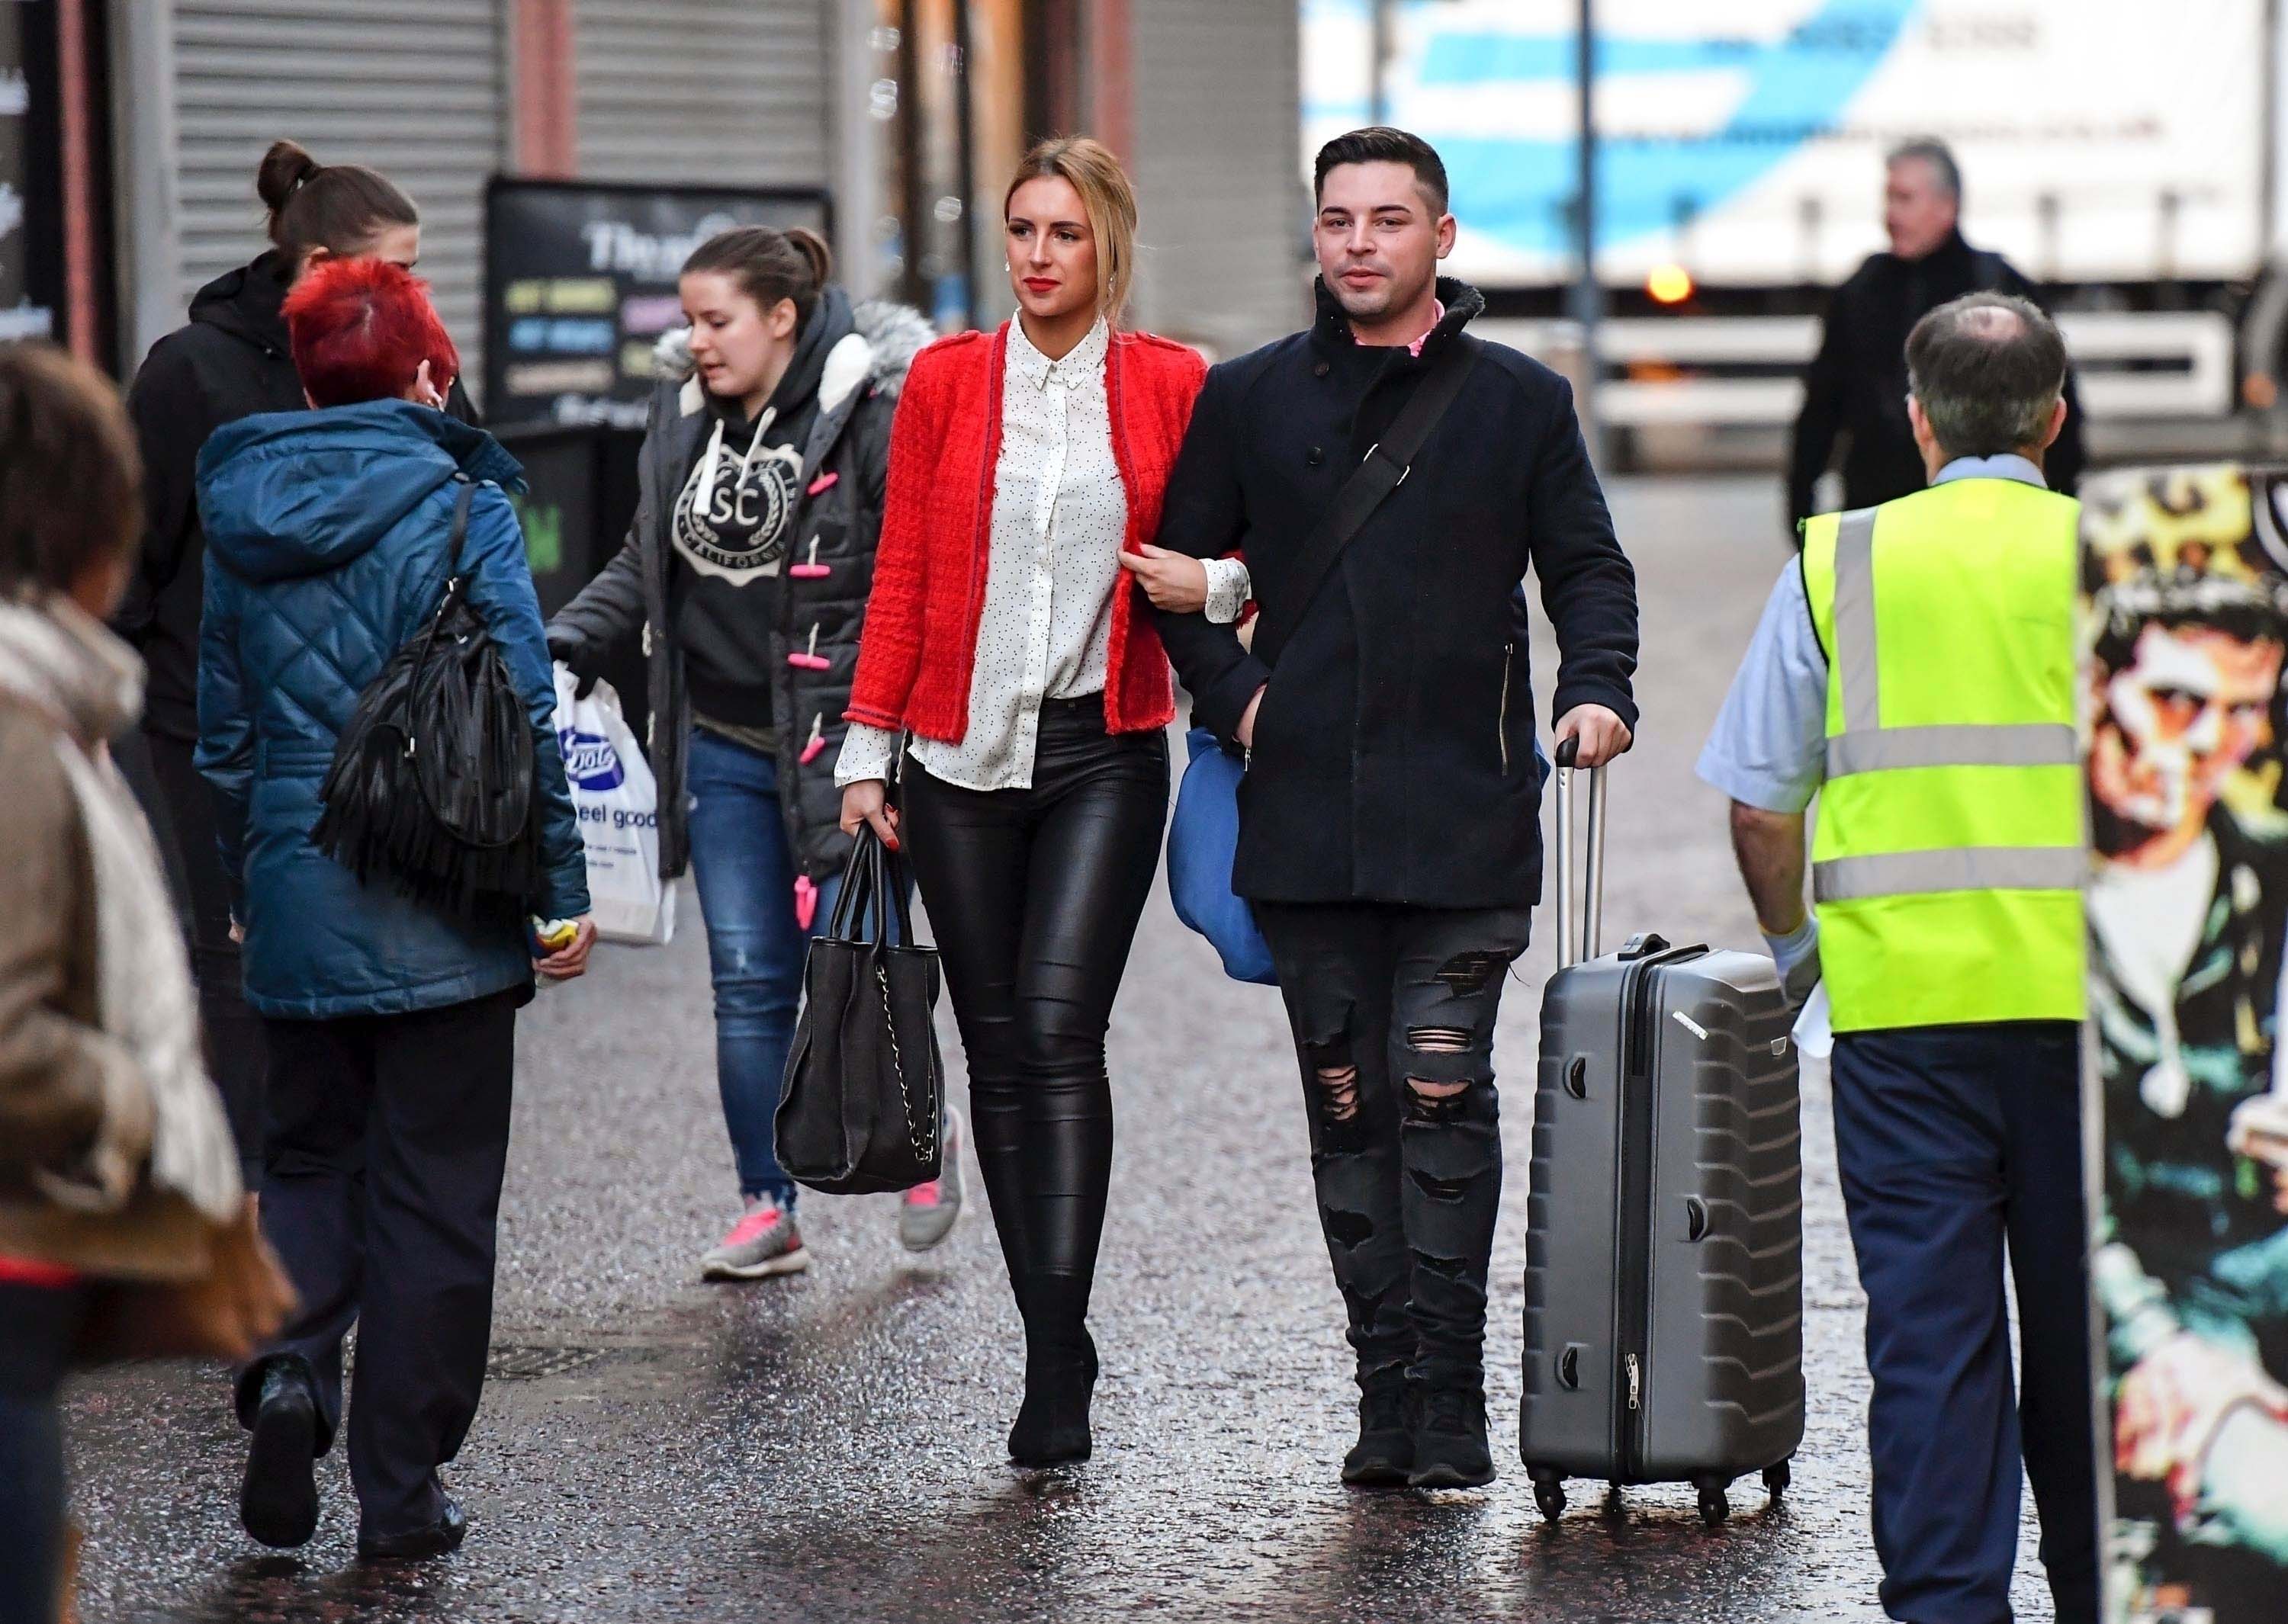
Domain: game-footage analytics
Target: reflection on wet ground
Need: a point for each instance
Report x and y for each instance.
(830, 1447)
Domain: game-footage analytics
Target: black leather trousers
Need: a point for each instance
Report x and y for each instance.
(1034, 895)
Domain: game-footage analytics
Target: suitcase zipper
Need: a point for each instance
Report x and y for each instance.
(1634, 1275)
(1639, 1076)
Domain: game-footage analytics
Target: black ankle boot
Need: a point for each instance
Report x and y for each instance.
(1384, 1455)
(1052, 1427)
(278, 1500)
(1449, 1437)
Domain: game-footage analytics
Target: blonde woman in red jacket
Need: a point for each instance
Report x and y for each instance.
(1005, 653)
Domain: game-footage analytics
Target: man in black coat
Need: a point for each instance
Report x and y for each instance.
(1389, 819)
(1856, 386)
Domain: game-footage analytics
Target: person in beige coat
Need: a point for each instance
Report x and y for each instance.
(123, 1228)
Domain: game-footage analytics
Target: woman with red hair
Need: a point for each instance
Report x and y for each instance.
(390, 1021)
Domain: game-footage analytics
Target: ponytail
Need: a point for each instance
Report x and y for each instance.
(769, 265)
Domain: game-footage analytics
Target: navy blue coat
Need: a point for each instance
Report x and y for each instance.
(1394, 753)
(326, 541)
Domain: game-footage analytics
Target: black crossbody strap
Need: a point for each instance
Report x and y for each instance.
(1382, 470)
(466, 495)
(455, 580)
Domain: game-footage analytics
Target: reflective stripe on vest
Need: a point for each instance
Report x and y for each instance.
(1855, 640)
(2002, 744)
(1949, 856)
(1923, 874)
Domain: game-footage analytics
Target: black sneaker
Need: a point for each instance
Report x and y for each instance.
(278, 1502)
(1384, 1454)
(1449, 1438)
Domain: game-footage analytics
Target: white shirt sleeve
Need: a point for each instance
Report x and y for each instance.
(1230, 587)
(867, 752)
(1769, 745)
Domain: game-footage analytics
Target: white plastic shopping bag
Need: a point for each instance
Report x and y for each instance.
(618, 803)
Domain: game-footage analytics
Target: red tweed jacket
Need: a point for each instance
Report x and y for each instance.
(919, 644)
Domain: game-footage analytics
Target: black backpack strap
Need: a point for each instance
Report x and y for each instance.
(466, 495)
(455, 579)
(1382, 470)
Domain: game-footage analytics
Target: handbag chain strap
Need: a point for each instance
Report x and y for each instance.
(925, 1149)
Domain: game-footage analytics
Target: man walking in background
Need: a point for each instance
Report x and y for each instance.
(1914, 668)
(1857, 386)
(1389, 831)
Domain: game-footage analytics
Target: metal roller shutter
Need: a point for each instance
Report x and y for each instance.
(415, 88)
(731, 92)
(1216, 91)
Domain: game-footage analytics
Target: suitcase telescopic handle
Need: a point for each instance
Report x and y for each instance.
(1588, 941)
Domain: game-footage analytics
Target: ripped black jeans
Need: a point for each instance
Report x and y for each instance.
(1394, 1010)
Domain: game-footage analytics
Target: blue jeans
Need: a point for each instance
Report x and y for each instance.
(755, 949)
(1956, 1144)
(37, 1325)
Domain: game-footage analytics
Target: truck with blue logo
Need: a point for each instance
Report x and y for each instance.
(2120, 152)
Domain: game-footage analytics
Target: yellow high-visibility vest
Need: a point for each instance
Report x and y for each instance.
(1949, 852)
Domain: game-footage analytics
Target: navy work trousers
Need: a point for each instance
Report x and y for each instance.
(1954, 1142)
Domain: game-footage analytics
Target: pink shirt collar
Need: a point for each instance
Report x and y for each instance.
(1437, 315)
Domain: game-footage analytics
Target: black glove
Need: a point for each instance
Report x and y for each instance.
(568, 651)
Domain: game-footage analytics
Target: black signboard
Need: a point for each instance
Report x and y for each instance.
(580, 281)
(31, 266)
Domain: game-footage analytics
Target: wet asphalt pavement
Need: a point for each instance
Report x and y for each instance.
(830, 1446)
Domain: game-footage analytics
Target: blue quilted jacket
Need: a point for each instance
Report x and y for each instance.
(326, 541)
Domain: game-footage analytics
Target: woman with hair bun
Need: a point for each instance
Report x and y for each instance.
(232, 360)
(746, 571)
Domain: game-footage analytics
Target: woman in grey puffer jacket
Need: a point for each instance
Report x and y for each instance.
(746, 574)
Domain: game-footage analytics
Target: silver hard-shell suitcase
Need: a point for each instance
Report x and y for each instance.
(1664, 1278)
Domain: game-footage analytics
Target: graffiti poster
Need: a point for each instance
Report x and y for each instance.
(2186, 576)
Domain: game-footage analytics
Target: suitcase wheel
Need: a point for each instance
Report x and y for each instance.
(1776, 1480)
(1549, 1494)
(1715, 1505)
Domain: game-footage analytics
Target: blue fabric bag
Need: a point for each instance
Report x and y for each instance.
(1203, 839)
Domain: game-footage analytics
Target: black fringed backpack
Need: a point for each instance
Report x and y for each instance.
(431, 785)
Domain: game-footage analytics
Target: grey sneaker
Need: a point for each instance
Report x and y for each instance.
(928, 1212)
(763, 1243)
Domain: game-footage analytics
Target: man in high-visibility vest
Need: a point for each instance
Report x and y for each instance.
(1916, 670)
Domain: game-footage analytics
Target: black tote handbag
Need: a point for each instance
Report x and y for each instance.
(865, 1085)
